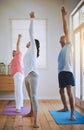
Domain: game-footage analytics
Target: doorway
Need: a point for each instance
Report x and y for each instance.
(78, 40)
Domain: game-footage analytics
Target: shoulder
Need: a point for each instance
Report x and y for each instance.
(68, 44)
(19, 53)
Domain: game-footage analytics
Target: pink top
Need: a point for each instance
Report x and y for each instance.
(16, 64)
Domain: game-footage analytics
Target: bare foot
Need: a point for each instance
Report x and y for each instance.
(35, 126)
(30, 114)
(18, 110)
(73, 118)
(63, 110)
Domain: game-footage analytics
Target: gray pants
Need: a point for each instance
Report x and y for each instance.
(32, 84)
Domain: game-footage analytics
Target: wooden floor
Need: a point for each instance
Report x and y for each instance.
(46, 122)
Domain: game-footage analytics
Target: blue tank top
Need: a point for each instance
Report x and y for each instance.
(65, 58)
(62, 58)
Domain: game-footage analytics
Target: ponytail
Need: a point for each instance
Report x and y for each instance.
(37, 46)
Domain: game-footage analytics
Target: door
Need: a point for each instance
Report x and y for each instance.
(79, 65)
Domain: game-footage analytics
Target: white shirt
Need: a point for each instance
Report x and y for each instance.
(30, 57)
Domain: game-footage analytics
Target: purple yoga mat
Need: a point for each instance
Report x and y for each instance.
(11, 110)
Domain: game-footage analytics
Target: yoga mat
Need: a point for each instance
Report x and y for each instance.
(11, 110)
(64, 117)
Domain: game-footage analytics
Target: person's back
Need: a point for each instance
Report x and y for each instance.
(16, 67)
(31, 73)
(30, 58)
(16, 64)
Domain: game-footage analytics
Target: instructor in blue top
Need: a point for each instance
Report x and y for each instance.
(65, 74)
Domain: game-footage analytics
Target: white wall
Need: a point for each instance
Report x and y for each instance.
(49, 9)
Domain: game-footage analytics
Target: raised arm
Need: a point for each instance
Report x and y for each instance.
(65, 26)
(31, 28)
(18, 43)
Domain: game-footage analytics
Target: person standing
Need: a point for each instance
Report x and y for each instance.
(31, 72)
(16, 69)
(65, 74)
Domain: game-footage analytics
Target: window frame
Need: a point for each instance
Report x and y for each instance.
(41, 65)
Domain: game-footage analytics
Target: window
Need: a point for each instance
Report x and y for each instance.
(82, 14)
(76, 20)
(78, 41)
(78, 17)
(22, 27)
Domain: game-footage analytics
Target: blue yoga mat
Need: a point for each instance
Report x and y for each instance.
(64, 117)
